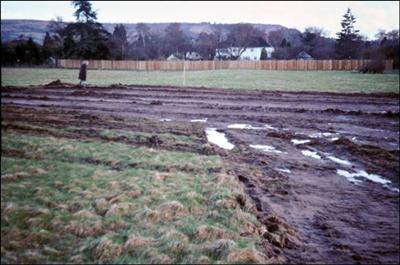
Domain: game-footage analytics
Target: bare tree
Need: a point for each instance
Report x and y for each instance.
(275, 38)
(120, 42)
(316, 44)
(143, 34)
(242, 36)
(206, 45)
(219, 37)
(175, 40)
(56, 29)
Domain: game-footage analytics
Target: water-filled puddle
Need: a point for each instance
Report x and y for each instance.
(270, 127)
(285, 170)
(265, 148)
(250, 127)
(356, 178)
(165, 119)
(339, 161)
(296, 141)
(349, 176)
(218, 138)
(199, 120)
(310, 154)
(319, 135)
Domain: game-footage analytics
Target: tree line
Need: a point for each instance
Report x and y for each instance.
(87, 39)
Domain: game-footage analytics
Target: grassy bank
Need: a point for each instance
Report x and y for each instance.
(101, 199)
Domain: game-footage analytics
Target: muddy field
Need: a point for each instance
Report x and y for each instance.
(325, 166)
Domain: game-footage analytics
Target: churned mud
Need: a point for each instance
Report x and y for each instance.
(322, 168)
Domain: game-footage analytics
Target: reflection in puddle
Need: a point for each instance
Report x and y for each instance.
(244, 126)
(338, 160)
(319, 135)
(349, 176)
(296, 141)
(270, 127)
(199, 120)
(363, 174)
(249, 127)
(165, 119)
(265, 148)
(285, 170)
(310, 154)
(218, 138)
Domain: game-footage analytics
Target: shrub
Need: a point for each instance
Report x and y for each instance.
(375, 66)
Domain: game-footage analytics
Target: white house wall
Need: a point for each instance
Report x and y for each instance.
(251, 53)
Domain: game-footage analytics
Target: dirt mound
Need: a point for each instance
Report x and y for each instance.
(83, 93)
(118, 86)
(57, 83)
(280, 233)
(282, 135)
(391, 114)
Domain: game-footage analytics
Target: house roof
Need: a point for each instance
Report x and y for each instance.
(173, 57)
(247, 48)
(303, 54)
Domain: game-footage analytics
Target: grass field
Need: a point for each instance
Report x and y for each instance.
(89, 200)
(332, 81)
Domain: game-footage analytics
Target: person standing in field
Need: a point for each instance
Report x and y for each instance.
(82, 73)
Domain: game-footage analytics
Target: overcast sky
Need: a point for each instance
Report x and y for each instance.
(371, 15)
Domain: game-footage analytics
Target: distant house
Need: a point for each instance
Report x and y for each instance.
(304, 56)
(188, 56)
(250, 53)
(226, 53)
(192, 56)
(174, 57)
(51, 61)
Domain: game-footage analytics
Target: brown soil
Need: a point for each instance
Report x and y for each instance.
(312, 214)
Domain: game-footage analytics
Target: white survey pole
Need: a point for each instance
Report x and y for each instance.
(184, 72)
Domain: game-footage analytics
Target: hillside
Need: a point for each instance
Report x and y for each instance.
(13, 28)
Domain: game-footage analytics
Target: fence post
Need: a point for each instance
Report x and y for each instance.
(332, 65)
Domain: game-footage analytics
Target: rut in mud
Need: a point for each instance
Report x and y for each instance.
(322, 168)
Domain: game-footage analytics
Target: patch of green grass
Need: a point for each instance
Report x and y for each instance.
(119, 154)
(128, 259)
(332, 81)
(90, 212)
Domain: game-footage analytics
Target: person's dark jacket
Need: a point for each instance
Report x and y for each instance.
(82, 73)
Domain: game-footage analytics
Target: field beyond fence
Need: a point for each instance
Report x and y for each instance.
(301, 65)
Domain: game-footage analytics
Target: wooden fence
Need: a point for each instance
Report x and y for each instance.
(302, 65)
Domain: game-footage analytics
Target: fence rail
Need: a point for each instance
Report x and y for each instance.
(302, 65)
